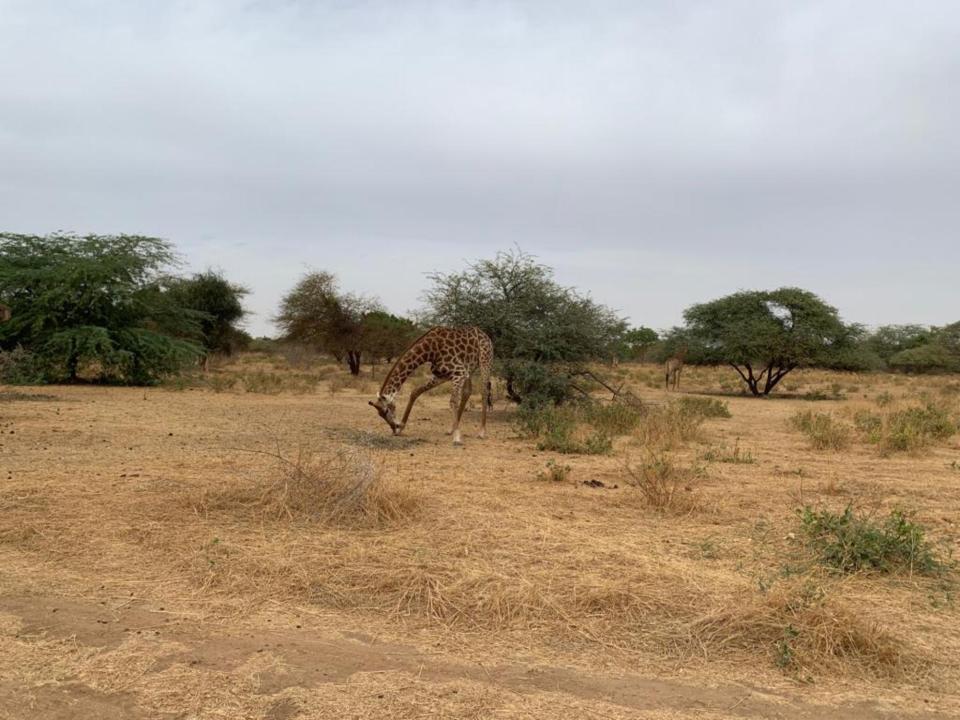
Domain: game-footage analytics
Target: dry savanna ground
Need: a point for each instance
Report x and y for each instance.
(254, 544)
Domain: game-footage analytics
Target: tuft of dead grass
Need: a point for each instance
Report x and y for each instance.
(806, 630)
(344, 488)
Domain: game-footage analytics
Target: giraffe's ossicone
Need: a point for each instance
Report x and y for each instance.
(454, 353)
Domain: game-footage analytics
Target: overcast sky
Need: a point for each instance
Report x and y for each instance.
(656, 154)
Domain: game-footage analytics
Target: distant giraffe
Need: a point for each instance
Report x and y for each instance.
(672, 368)
(453, 353)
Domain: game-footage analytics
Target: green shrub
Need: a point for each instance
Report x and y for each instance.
(823, 431)
(705, 407)
(868, 423)
(564, 429)
(914, 428)
(20, 367)
(615, 418)
(849, 542)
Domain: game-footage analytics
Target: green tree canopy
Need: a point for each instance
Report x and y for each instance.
(220, 303)
(636, 343)
(542, 332)
(316, 313)
(386, 336)
(888, 340)
(92, 306)
(766, 334)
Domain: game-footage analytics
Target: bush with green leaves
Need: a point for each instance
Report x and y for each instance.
(851, 542)
(220, 304)
(94, 307)
(913, 428)
(579, 429)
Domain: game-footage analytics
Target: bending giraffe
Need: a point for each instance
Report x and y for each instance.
(453, 353)
(672, 368)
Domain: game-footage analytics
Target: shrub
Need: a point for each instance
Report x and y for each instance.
(664, 486)
(823, 431)
(883, 399)
(584, 429)
(554, 472)
(725, 455)
(615, 418)
(869, 423)
(19, 367)
(914, 428)
(667, 427)
(705, 407)
(849, 542)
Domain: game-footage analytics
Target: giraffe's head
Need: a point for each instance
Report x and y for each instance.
(386, 409)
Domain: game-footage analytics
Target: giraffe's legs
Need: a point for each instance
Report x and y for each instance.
(429, 385)
(485, 397)
(458, 401)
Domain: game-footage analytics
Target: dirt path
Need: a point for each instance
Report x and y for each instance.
(160, 646)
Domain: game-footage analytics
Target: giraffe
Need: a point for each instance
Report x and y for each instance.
(672, 369)
(453, 353)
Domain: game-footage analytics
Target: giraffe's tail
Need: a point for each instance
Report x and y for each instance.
(489, 394)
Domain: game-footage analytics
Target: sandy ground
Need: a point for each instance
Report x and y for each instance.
(136, 581)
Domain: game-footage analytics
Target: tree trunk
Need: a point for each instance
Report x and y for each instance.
(353, 360)
(511, 392)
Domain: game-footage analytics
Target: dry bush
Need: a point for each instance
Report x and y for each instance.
(344, 381)
(271, 383)
(805, 631)
(668, 427)
(345, 488)
(665, 486)
(822, 429)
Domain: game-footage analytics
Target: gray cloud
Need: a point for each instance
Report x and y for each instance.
(657, 154)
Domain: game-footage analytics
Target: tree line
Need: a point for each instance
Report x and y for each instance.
(114, 309)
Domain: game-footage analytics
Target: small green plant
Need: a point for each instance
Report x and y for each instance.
(836, 390)
(954, 466)
(883, 399)
(849, 542)
(784, 649)
(554, 472)
(705, 407)
(823, 431)
(869, 423)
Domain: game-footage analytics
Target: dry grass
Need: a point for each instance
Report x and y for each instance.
(464, 552)
(664, 485)
(345, 488)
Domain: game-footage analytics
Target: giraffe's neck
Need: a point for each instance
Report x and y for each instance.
(403, 368)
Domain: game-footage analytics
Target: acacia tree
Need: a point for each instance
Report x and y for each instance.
(636, 343)
(316, 313)
(764, 335)
(92, 306)
(542, 332)
(384, 335)
(220, 303)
